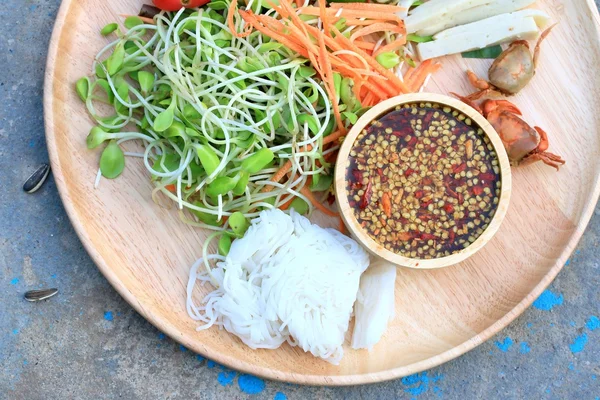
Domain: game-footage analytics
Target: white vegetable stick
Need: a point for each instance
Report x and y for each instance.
(374, 306)
(541, 19)
(524, 28)
(406, 4)
(474, 14)
(433, 11)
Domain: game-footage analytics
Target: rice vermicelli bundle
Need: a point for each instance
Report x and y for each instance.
(285, 280)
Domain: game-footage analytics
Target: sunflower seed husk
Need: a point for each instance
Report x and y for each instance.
(148, 11)
(37, 179)
(39, 295)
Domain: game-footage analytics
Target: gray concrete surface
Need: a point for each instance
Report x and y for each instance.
(87, 343)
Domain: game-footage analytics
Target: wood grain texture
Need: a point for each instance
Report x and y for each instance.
(145, 251)
(347, 212)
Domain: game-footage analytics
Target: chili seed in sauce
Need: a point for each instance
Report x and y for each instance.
(423, 180)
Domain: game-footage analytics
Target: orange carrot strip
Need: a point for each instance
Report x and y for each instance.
(252, 19)
(376, 27)
(367, 7)
(395, 45)
(309, 195)
(334, 136)
(419, 75)
(231, 24)
(286, 205)
(365, 45)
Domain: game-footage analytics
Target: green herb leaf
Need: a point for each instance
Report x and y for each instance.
(146, 80)
(224, 243)
(487, 52)
(209, 219)
(112, 161)
(221, 185)
(132, 21)
(351, 117)
(108, 29)
(322, 184)
(300, 206)
(83, 88)
(388, 60)
(238, 223)
(258, 161)
(163, 121)
(418, 39)
(96, 137)
(115, 61)
(242, 183)
(208, 158)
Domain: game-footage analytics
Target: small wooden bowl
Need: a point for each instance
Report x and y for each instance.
(348, 214)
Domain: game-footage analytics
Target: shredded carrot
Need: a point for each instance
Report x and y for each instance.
(316, 203)
(342, 226)
(334, 136)
(286, 205)
(376, 27)
(420, 74)
(230, 13)
(387, 8)
(393, 46)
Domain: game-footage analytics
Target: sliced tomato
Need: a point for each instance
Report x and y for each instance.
(174, 5)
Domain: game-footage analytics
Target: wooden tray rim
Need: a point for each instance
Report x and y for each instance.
(242, 366)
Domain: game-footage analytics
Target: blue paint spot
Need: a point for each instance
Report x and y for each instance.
(579, 343)
(226, 377)
(593, 323)
(437, 391)
(551, 324)
(280, 396)
(14, 281)
(420, 382)
(524, 348)
(251, 384)
(15, 331)
(32, 143)
(594, 377)
(53, 276)
(182, 347)
(572, 366)
(108, 315)
(505, 345)
(529, 325)
(161, 336)
(200, 358)
(25, 362)
(211, 364)
(572, 323)
(548, 300)
(568, 262)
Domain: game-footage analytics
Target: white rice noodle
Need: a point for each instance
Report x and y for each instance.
(285, 280)
(374, 306)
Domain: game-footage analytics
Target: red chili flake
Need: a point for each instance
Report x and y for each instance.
(427, 181)
(357, 175)
(427, 120)
(449, 208)
(331, 199)
(404, 236)
(450, 191)
(428, 236)
(459, 168)
(426, 204)
(412, 142)
(384, 178)
(409, 172)
(451, 236)
(419, 194)
(366, 199)
(487, 176)
(477, 190)
(460, 198)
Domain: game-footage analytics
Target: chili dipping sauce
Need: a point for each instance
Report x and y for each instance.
(423, 180)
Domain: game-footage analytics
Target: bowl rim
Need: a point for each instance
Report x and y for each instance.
(347, 213)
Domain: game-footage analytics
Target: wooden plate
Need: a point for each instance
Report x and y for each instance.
(145, 251)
